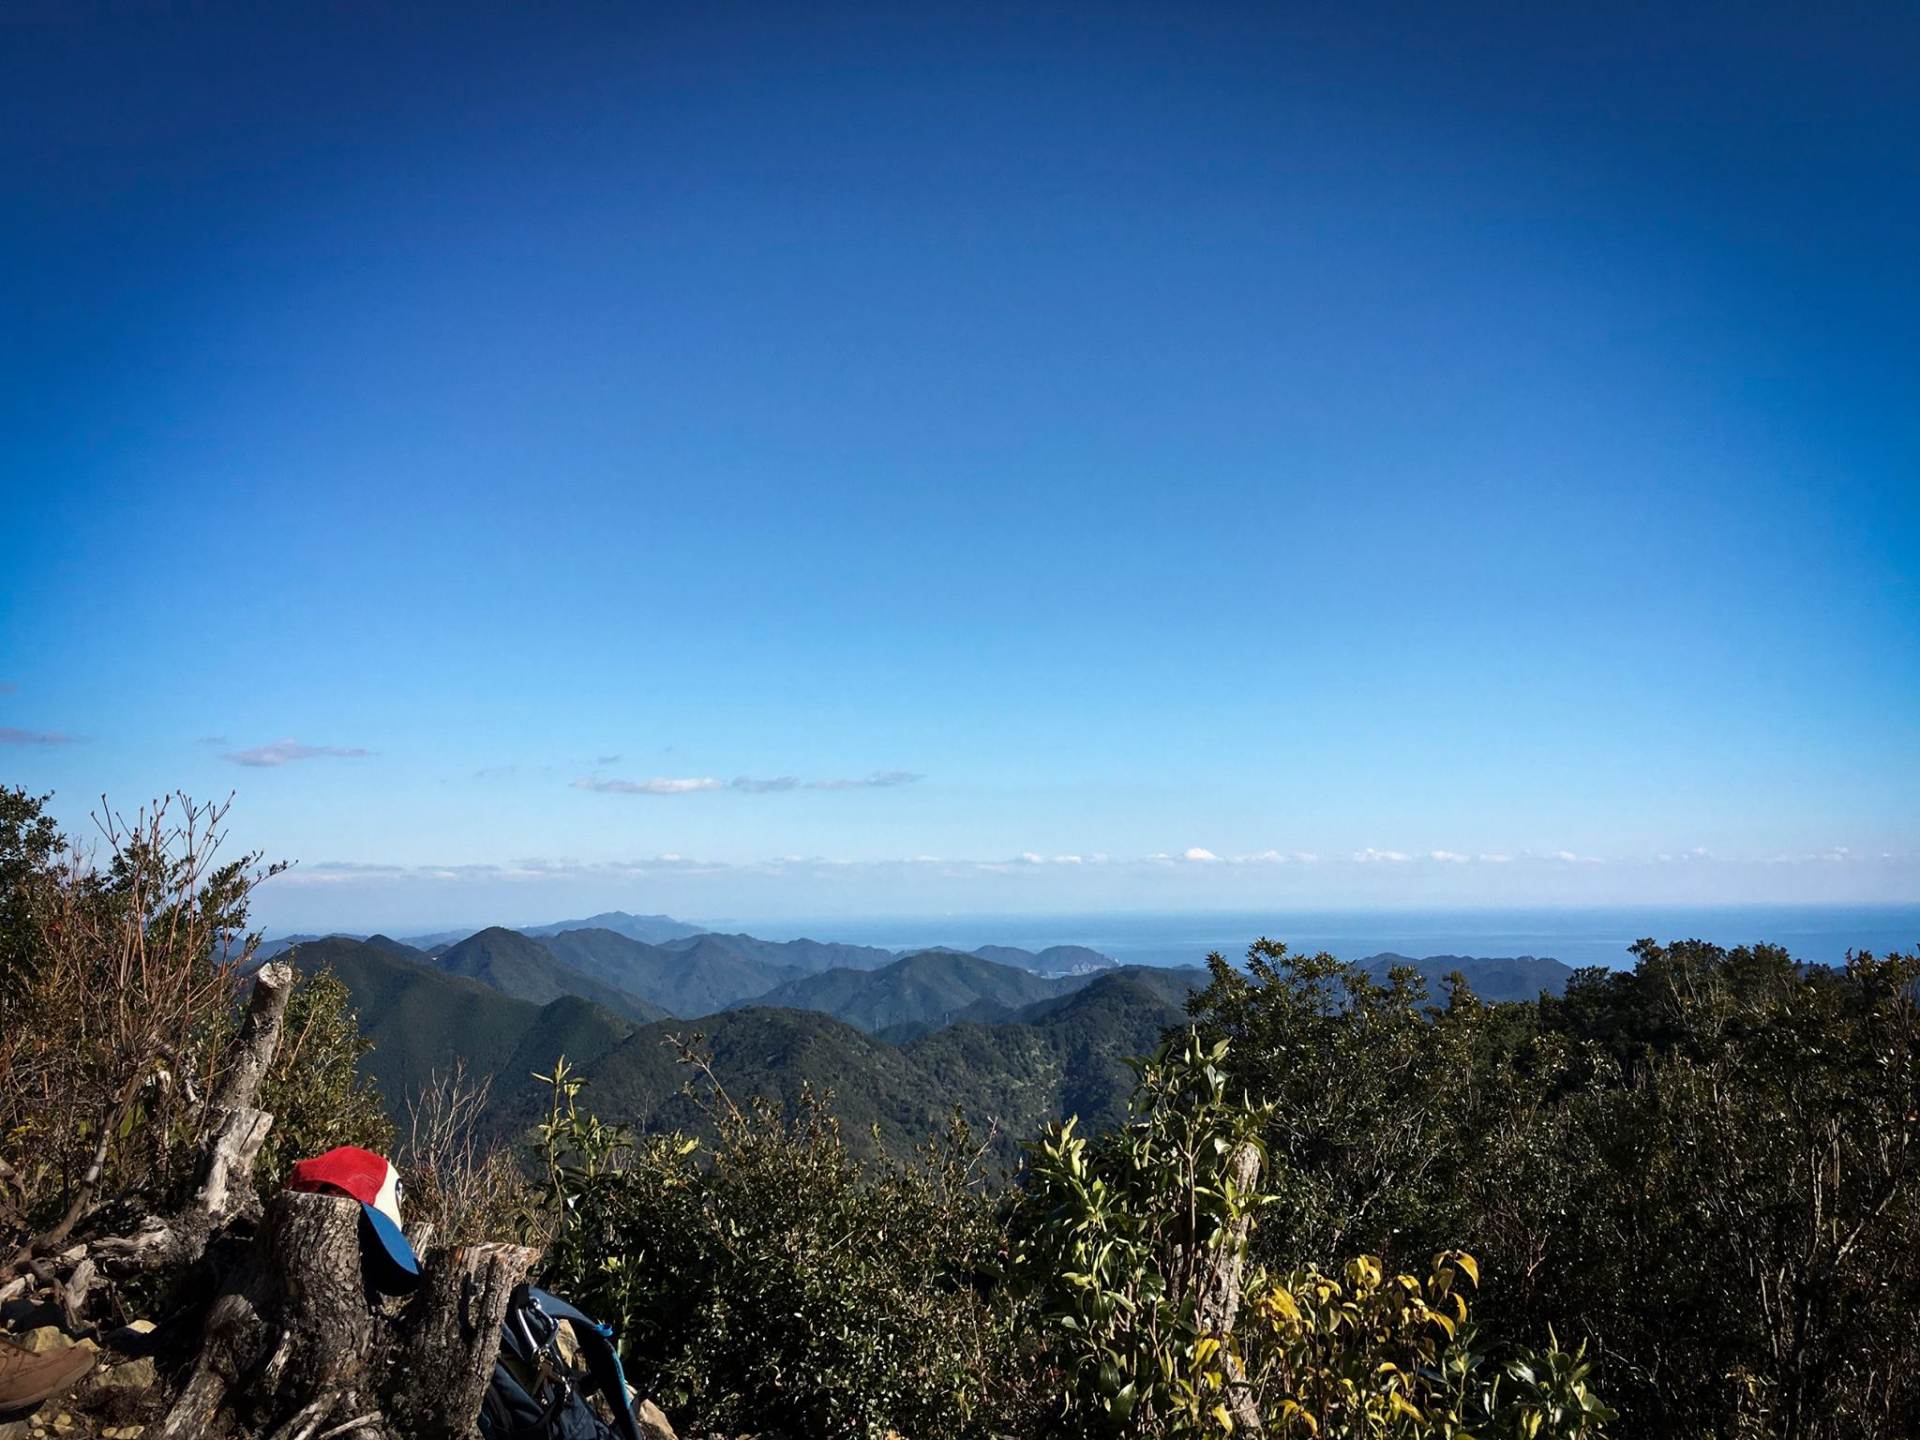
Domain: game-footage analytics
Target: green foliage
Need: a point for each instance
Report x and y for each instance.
(31, 850)
(1709, 1163)
(1372, 1098)
(314, 1090)
(110, 1025)
(1371, 1354)
(1120, 1241)
(775, 1283)
(1133, 1245)
(119, 996)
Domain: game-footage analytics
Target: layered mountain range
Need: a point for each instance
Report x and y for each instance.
(1011, 1038)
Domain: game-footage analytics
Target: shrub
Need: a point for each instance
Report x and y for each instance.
(1130, 1245)
(1133, 1244)
(314, 1090)
(1709, 1163)
(119, 990)
(1374, 1355)
(777, 1284)
(467, 1189)
(113, 1019)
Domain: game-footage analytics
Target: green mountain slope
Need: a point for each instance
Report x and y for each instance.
(1063, 1054)
(930, 989)
(1060, 1056)
(799, 956)
(526, 970)
(770, 1053)
(696, 977)
(422, 1021)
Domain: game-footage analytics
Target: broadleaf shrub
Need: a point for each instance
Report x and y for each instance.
(775, 1283)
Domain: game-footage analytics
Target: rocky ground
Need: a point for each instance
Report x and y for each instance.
(116, 1401)
(124, 1393)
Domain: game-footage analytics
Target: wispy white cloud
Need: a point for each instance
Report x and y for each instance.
(10, 736)
(660, 786)
(778, 785)
(746, 784)
(1448, 857)
(882, 780)
(1035, 865)
(285, 752)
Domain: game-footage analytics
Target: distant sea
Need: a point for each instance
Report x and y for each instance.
(1822, 933)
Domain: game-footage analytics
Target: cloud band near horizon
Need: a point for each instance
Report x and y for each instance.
(746, 784)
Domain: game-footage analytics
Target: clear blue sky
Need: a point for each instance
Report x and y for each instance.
(1341, 431)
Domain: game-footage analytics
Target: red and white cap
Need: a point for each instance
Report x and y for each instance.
(371, 1179)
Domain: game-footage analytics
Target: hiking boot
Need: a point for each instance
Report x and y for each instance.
(27, 1379)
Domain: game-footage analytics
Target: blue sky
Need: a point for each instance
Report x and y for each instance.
(1487, 436)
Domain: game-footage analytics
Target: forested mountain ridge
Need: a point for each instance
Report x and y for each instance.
(900, 1044)
(1007, 1071)
(929, 989)
(423, 1021)
(695, 977)
(528, 970)
(803, 956)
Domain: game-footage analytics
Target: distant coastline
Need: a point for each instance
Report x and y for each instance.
(1576, 937)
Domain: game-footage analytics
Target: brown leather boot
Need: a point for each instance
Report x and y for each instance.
(27, 1379)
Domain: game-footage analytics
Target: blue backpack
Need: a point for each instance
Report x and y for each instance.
(536, 1395)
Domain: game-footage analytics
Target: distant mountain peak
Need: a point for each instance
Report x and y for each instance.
(648, 929)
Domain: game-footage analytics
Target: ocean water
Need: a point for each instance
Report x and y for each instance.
(1577, 937)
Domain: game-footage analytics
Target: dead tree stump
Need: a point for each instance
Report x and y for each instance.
(453, 1338)
(1219, 1291)
(291, 1340)
(297, 1347)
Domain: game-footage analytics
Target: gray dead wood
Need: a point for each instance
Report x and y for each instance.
(1219, 1288)
(236, 1127)
(452, 1330)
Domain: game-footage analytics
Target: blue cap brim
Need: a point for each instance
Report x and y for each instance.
(391, 1263)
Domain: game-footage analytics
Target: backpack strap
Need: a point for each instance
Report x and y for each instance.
(603, 1360)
